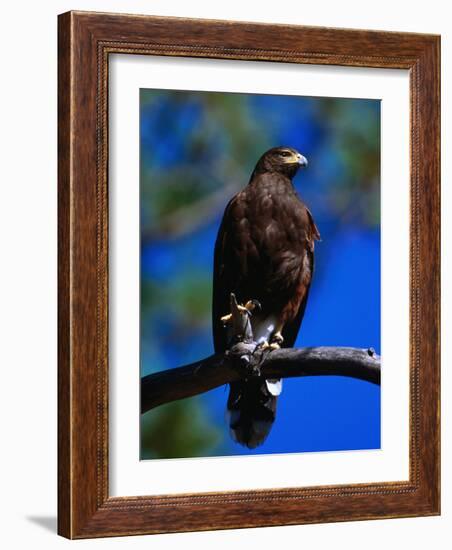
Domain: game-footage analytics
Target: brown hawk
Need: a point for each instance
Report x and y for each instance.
(264, 252)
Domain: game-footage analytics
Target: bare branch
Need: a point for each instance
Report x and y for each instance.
(246, 359)
(243, 361)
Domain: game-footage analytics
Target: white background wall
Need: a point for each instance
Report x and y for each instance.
(28, 270)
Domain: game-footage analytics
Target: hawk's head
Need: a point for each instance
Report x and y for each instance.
(283, 160)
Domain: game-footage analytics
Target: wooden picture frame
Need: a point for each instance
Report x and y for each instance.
(85, 42)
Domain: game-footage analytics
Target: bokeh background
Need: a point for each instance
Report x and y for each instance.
(197, 149)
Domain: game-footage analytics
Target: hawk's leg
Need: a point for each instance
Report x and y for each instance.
(276, 339)
(274, 343)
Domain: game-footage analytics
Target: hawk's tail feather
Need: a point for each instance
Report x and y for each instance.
(252, 409)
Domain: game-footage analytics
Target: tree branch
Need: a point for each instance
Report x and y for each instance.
(244, 361)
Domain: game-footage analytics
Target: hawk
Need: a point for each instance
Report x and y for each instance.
(264, 254)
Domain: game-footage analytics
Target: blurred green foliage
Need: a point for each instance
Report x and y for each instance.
(178, 430)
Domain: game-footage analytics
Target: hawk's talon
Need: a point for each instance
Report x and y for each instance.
(226, 318)
(252, 305)
(277, 338)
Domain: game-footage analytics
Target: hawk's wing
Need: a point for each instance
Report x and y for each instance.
(223, 281)
(291, 329)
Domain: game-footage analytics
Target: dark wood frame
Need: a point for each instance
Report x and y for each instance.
(85, 42)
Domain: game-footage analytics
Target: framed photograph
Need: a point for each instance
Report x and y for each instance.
(248, 275)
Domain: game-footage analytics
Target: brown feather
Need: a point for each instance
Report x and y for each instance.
(264, 250)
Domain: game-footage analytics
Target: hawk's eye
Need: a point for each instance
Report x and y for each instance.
(286, 153)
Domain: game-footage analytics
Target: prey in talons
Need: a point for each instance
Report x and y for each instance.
(238, 321)
(247, 309)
